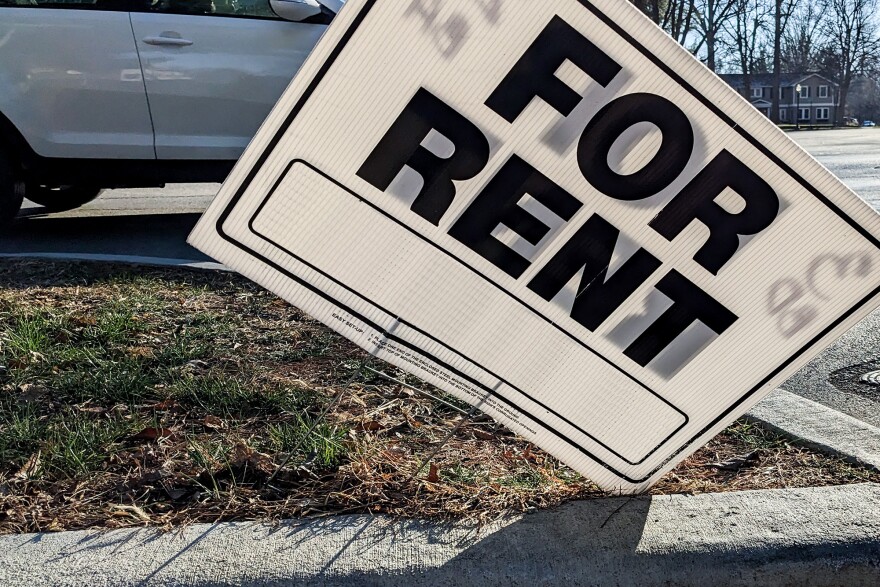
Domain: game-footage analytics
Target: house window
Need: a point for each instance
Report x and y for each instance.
(823, 92)
(803, 114)
(805, 91)
(757, 92)
(821, 113)
(783, 114)
(782, 93)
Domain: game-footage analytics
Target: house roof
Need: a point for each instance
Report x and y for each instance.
(786, 80)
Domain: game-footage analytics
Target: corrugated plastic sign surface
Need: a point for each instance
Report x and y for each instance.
(552, 211)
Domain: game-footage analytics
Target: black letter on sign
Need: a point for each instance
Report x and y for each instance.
(697, 202)
(498, 204)
(591, 249)
(607, 126)
(534, 73)
(401, 146)
(689, 303)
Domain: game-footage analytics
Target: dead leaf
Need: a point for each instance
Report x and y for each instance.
(394, 453)
(141, 352)
(152, 434)
(129, 511)
(245, 456)
(213, 422)
(29, 470)
(84, 320)
(370, 425)
(483, 435)
(433, 474)
(91, 409)
(165, 405)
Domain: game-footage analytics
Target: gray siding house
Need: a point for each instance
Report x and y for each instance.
(815, 106)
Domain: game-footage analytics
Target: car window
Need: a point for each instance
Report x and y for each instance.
(252, 8)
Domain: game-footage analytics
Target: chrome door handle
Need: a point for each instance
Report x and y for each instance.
(167, 41)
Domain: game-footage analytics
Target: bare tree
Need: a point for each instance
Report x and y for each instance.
(744, 34)
(782, 11)
(709, 18)
(852, 41)
(676, 17)
(800, 41)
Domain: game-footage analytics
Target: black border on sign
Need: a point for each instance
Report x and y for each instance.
(358, 20)
(685, 418)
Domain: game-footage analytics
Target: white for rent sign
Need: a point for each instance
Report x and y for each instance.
(552, 211)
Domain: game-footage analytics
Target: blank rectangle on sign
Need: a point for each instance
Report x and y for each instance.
(405, 277)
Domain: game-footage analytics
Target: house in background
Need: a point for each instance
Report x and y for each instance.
(815, 105)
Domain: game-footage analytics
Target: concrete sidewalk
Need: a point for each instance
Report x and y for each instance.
(818, 536)
(819, 427)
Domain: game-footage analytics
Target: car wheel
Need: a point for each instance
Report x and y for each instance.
(11, 190)
(58, 199)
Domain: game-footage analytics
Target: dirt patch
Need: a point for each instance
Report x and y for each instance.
(140, 396)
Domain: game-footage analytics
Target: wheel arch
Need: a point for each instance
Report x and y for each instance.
(15, 143)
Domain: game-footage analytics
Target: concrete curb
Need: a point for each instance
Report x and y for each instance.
(816, 536)
(819, 427)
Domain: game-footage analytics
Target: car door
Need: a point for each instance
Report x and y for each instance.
(71, 81)
(214, 69)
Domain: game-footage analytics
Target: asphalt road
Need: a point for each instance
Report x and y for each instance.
(153, 224)
(147, 224)
(832, 378)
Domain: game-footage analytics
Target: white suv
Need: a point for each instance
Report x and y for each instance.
(97, 94)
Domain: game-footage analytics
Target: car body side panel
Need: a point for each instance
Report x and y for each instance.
(208, 98)
(72, 85)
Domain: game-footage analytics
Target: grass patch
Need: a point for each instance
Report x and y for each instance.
(21, 432)
(90, 377)
(228, 396)
(320, 443)
(28, 335)
(77, 447)
(182, 392)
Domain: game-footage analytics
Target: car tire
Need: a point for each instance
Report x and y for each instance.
(66, 197)
(11, 190)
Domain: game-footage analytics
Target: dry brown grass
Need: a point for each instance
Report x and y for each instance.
(136, 396)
